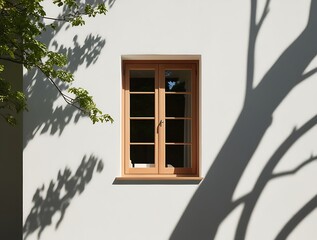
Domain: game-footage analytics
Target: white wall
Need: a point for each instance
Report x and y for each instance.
(218, 31)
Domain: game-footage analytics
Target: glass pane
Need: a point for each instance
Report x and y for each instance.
(178, 105)
(142, 80)
(142, 105)
(178, 156)
(142, 156)
(178, 80)
(142, 131)
(178, 131)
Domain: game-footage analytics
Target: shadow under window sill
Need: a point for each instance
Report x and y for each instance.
(127, 180)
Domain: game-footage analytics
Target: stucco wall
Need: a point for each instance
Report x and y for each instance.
(249, 132)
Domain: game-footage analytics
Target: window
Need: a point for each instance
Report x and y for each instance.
(160, 118)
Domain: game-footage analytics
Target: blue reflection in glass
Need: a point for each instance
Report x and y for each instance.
(171, 84)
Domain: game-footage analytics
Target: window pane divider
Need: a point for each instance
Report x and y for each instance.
(141, 143)
(142, 118)
(178, 118)
(178, 143)
(142, 92)
(188, 93)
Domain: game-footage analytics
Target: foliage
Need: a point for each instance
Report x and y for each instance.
(21, 24)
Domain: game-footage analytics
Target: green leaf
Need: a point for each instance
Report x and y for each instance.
(11, 120)
(21, 28)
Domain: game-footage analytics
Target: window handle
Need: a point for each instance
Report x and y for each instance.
(161, 123)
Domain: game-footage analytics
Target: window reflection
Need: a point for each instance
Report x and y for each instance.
(178, 80)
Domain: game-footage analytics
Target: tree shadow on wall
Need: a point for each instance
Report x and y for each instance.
(45, 114)
(310, 206)
(213, 200)
(59, 195)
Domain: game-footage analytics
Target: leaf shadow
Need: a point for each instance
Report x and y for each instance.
(45, 114)
(57, 197)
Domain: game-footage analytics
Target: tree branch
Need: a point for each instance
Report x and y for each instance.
(56, 19)
(69, 100)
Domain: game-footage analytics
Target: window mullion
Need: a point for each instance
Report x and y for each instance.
(157, 119)
(161, 119)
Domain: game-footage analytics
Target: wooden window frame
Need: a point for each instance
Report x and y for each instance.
(160, 171)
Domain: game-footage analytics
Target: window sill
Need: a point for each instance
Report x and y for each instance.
(157, 180)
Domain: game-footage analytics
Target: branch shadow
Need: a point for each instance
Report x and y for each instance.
(310, 206)
(212, 201)
(41, 95)
(267, 175)
(59, 195)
